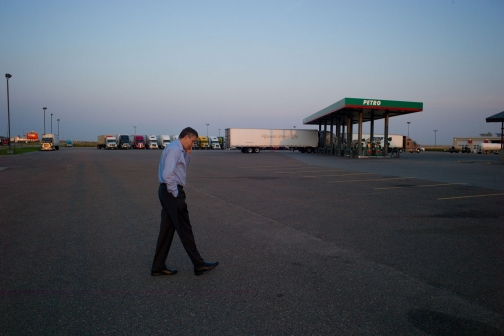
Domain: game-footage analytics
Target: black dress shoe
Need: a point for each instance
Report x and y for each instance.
(205, 267)
(165, 271)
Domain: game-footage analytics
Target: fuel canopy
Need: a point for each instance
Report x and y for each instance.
(349, 111)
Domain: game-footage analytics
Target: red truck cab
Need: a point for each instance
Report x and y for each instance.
(139, 142)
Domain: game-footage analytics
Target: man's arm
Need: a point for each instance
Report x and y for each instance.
(171, 159)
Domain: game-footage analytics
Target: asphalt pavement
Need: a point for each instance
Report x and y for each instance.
(308, 244)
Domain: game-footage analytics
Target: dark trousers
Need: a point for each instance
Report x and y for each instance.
(174, 217)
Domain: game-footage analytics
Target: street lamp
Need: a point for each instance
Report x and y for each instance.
(7, 76)
(44, 108)
(135, 129)
(408, 128)
(207, 130)
(58, 129)
(435, 134)
(51, 123)
(219, 131)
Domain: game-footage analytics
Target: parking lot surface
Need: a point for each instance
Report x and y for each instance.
(308, 244)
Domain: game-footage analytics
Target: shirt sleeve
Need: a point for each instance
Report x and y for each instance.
(171, 159)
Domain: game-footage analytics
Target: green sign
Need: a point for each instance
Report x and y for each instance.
(382, 104)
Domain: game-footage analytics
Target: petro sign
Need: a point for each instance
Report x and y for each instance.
(371, 102)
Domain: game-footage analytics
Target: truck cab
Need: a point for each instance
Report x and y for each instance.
(69, 143)
(163, 141)
(138, 142)
(50, 142)
(203, 142)
(213, 142)
(123, 141)
(151, 142)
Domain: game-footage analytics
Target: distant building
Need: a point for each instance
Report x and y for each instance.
(473, 143)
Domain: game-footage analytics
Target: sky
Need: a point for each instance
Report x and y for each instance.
(107, 66)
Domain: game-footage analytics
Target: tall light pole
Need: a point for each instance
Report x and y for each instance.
(435, 134)
(58, 128)
(51, 123)
(7, 76)
(207, 130)
(135, 129)
(219, 131)
(44, 108)
(408, 128)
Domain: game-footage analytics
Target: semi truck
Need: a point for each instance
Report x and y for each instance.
(137, 141)
(163, 141)
(151, 142)
(107, 141)
(253, 140)
(50, 142)
(213, 142)
(123, 141)
(203, 142)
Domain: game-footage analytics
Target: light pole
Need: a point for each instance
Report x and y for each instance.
(7, 76)
(435, 134)
(51, 123)
(207, 130)
(219, 131)
(58, 129)
(44, 108)
(135, 129)
(408, 128)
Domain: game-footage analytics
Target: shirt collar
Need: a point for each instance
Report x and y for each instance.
(179, 144)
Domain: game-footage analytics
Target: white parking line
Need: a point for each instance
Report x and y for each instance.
(313, 176)
(378, 179)
(308, 171)
(485, 195)
(420, 186)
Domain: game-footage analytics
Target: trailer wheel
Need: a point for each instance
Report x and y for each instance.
(257, 150)
(309, 150)
(248, 150)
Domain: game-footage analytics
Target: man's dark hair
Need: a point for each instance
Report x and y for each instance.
(188, 131)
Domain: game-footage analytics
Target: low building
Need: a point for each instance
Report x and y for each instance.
(474, 142)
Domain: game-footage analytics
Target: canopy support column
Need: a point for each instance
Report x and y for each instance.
(325, 137)
(359, 136)
(385, 134)
(331, 146)
(371, 135)
(349, 133)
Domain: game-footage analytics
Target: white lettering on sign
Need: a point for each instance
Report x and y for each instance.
(371, 102)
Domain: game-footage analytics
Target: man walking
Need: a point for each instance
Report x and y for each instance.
(174, 214)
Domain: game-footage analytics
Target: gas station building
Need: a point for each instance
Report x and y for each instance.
(349, 111)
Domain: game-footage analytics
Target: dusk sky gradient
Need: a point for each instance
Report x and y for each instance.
(106, 66)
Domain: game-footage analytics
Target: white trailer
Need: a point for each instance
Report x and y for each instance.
(151, 141)
(486, 148)
(163, 141)
(253, 140)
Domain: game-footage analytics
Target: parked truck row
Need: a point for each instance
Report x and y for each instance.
(125, 141)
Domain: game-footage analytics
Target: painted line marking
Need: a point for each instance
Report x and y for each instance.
(269, 167)
(308, 171)
(485, 195)
(420, 186)
(338, 175)
(378, 179)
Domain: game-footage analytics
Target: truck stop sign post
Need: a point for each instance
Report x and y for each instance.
(349, 111)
